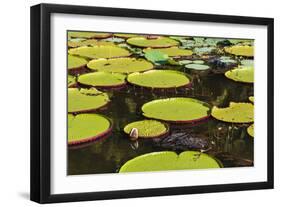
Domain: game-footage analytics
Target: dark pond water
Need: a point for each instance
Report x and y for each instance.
(229, 143)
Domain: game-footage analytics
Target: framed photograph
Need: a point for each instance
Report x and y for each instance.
(132, 103)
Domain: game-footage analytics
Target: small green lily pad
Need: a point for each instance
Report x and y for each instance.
(197, 66)
(159, 79)
(240, 50)
(247, 62)
(120, 65)
(102, 79)
(156, 57)
(148, 128)
(89, 35)
(157, 42)
(81, 102)
(235, 113)
(243, 74)
(250, 130)
(102, 51)
(74, 62)
(168, 160)
(71, 80)
(172, 51)
(180, 110)
(87, 127)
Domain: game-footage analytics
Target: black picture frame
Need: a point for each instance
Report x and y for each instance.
(41, 97)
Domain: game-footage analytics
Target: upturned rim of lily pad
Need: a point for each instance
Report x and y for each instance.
(177, 121)
(187, 84)
(159, 135)
(92, 138)
(116, 76)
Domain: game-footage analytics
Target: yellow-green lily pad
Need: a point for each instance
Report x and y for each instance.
(179, 110)
(71, 80)
(172, 51)
(168, 160)
(120, 65)
(235, 113)
(102, 79)
(243, 74)
(241, 50)
(74, 62)
(87, 127)
(103, 51)
(159, 79)
(89, 35)
(251, 98)
(147, 128)
(250, 130)
(157, 42)
(78, 101)
(89, 42)
(124, 35)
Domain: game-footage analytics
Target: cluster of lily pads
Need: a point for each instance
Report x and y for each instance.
(98, 62)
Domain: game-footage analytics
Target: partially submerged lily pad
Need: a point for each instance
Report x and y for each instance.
(74, 62)
(81, 102)
(197, 66)
(168, 160)
(87, 127)
(180, 110)
(250, 130)
(120, 65)
(157, 42)
(241, 50)
(241, 74)
(98, 35)
(148, 128)
(172, 51)
(235, 113)
(159, 79)
(100, 52)
(102, 79)
(156, 57)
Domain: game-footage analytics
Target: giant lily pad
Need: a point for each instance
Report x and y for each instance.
(235, 113)
(241, 74)
(148, 128)
(87, 127)
(159, 79)
(102, 79)
(120, 65)
(89, 42)
(250, 130)
(81, 102)
(75, 62)
(123, 35)
(172, 51)
(89, 35)
(240, 50)
(185, 110)
(152, 42)
(100, 52)
(168, 160)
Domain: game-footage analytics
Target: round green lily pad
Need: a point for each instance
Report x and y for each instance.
(181, 110)
(250, 130)
(103, 51)
(241, 50)
(194, 66)
(74, 62)
(172, 51)
(87, 127)
(168, 160)
(235, 113)
(251, 98)
(152, 42)
(123, 35)
(89, 42)
(71, 80)
(159, 79)
(243, 74)
(102, 79)
(81, 102)
(120, 65)
(148, 128)
(98, 35)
